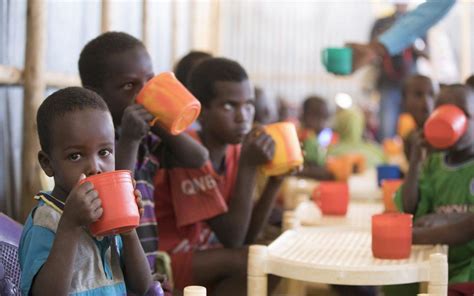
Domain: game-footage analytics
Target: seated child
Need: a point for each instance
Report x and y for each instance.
(187, 63)
(418, 100)
(443, 185)
(117, 66)
(350, 124)
(314, 119)
(265, 108)
(207, 215)
(58, 255)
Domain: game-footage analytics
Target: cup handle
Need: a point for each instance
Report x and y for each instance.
(324, 57)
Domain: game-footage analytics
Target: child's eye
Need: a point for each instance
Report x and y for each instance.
(228, 107)
(74, 156)
(104, 153)
(128, 86)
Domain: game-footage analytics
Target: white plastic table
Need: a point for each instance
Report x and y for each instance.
(358, 215)
(339, 255)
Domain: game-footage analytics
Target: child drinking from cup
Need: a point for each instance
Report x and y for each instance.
(117, 66)
(418, 95)
(443, 185)
(314, 119)
(207, 215)
(57, 253)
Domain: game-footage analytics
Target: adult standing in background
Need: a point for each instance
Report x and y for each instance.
(391, 71)
(402, 34)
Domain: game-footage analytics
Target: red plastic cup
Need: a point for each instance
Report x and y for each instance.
(389, 188)
(118, 202)
(332, 197)
(391, 235)
(288, 153)
(445, 126)
(173, 106)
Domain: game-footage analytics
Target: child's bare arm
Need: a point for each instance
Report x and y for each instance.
(263, 208)
(137, 271)
(133, 128)
(451, 229)
(82, 208)
(316, 172)
(410, 191)
(186, 151)
(231, 228)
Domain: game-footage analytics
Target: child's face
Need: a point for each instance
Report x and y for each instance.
(463, 99)
(230, 115)
(419, 100)
(127, 74)
(316, 117)
(82, 142)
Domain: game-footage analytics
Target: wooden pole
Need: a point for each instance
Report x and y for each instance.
(215, 25)
(466, 39)
(174, 31)
(105, 17)
(34, 92)
(14, 76)
(145, 24)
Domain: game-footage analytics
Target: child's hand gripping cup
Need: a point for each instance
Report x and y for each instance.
(332, 197)
(118, 201)
(445, 126)
(337, 60)
(173, 106)
(288, 155)
(391, 235)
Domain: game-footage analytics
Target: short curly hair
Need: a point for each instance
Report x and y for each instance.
(203, 77)
(59, 104)
(93, 58)
(187, 63)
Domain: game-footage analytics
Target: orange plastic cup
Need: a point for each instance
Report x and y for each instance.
(173, 106)
(341, 167)
(332, 197)
(118, 201)
(445, 126)
(389, 188)
(393, 146)
(288, 153)
(392, 235)
(406, 124)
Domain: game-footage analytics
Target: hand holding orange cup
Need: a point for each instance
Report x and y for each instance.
(116, 193)
(288, 155)
(173, 106)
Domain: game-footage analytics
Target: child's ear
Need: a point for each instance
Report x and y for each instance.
(45, 163)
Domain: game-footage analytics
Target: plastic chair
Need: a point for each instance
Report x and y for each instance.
(195, 291)
(10, 232)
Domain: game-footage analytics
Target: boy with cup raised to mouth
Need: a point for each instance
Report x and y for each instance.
(57, 253)
(439, 192)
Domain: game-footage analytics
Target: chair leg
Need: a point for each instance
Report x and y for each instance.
(438, 282)
(257, 281)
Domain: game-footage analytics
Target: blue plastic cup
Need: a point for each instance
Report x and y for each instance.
(388, 172)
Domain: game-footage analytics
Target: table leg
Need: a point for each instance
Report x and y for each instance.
(438, 282)
(257, 281)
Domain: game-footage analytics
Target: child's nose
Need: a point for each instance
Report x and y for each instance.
(93, 167)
